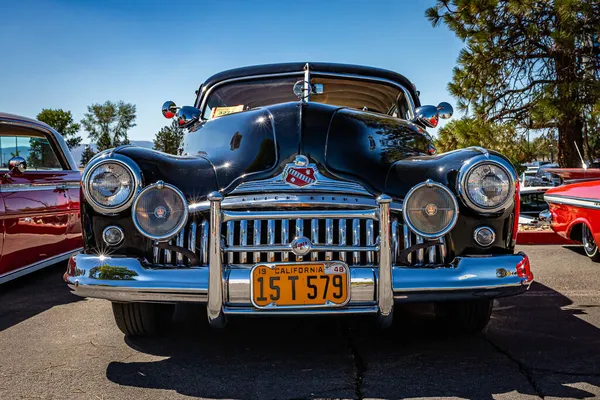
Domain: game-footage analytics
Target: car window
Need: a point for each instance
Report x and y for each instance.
(345, 92)
(533, 202)
(30, 144)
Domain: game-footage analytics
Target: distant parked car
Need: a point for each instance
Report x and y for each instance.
(532, 203)
(575, 214)
(39, 197)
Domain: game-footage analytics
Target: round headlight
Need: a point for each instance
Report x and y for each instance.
(110, 185)
(160, 211)
(430, 209)
(488, 186)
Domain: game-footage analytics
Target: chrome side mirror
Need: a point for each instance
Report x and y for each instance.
(430, 115)
(169, 109)
(16, 166)
(186, 115)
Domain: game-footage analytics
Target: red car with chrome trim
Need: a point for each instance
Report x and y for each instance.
(575, 214)
(39, 197)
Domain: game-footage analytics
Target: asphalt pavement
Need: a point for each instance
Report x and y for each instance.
(546, 343)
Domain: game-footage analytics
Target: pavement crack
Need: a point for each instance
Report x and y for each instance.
(359, 366)
(525, 371)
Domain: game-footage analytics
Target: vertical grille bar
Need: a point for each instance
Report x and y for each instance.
(432, 255)
(314, 237)
(192, 237)
(285, 238)
(299, 232)
(442, 247)
(355, 240)
(370, 240)
(204, 242)
(243, 241)
(328, 238)
(407, 242)
(180, 238)
(156, 253)
(271, 239)
(168, 254)
(395, 240)
(230, 232)
(256, 235)
(342, 238)
(420, 252)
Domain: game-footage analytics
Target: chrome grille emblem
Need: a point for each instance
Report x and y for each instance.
(301, 246)
(300, 173)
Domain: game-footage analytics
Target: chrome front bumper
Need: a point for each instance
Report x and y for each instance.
(127, 280)
(225, 287)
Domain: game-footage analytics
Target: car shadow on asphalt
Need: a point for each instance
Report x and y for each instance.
(536, 344)
(32, 294)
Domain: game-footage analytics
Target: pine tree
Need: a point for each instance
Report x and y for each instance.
(86, 155)
(533, 63)
(169, 139)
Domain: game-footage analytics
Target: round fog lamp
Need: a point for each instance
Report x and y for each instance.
(160, 211)
(113, 235)
(484, 236)
(430, 209)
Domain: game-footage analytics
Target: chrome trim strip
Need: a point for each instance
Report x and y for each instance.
(271, 239)
(355, 240)
(573, 201)
(319, 214)
(300, 311)
(293, 200)
(214, 306)
(256, 239)
(370, 240)
(204, 244)
(328, 238)
(243, 241)
(285, 238)
(230, 232)
(156, 253)
(342, 238)
(395, 240)
(288, 248)
(299, 232)
(10, 275)
(442, 247)
(180, 239)
(420, 252)
(192, 237)
(27, 187)
(407, 241)
(385, 294)
(168, 254)
(314, 237)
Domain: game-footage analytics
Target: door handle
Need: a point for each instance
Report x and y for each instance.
(61, 187)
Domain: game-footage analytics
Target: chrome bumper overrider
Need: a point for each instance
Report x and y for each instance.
(225, 287)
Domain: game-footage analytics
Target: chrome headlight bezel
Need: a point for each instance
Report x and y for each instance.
(126, 163)
(442, 232)
(466, 171)
(178, 227)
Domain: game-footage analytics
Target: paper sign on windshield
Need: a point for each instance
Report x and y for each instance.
(220, 111)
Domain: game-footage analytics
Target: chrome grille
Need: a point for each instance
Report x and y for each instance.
(270, 238)
(266, 238)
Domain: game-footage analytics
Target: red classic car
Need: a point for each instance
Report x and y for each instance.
(575, 214)
(39, 197)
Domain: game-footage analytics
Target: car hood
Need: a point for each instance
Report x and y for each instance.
(345, 144)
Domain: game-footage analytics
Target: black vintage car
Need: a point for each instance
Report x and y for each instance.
(301, 189)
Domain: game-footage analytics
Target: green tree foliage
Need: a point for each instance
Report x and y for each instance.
(86, 155)
(107, 124)
(532, 63)
(169, 139)
(62, 121)
(466, 132)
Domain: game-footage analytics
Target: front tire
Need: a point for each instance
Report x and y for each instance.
(468, 316)
(142, 319)
(589, 244)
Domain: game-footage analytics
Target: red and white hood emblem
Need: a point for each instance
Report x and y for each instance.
(300, 173)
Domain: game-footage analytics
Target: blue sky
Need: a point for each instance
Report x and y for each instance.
(70, 54)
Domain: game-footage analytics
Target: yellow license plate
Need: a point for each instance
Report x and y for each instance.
(300, 285)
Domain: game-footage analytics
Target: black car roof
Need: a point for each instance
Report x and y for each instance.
(317, 66)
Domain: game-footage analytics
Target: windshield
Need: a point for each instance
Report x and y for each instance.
(344, 92)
